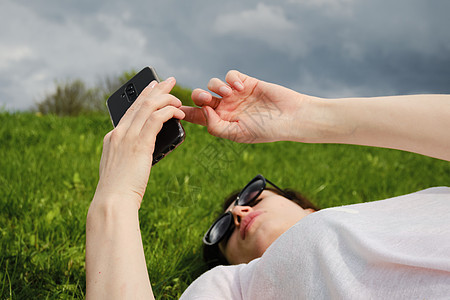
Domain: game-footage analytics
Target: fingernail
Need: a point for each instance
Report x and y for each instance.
(204, 96)
(170, 79)
(225, 90)
(153, 84)
(238, 86)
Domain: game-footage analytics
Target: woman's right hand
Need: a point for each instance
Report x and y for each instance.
(127, 150)
(115, 260)
(248, 110)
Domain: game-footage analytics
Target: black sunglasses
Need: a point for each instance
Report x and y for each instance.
(225, 224)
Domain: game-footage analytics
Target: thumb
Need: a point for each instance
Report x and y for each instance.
(216, 126)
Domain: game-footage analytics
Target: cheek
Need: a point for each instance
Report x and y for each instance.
(232, 249)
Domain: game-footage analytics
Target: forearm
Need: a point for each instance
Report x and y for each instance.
(418, 123)
(115, 261)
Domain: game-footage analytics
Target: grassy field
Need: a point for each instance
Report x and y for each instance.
(49, 171)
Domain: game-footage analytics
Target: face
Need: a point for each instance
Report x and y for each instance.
(257, 227)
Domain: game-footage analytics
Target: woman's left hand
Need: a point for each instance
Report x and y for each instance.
(127, 149)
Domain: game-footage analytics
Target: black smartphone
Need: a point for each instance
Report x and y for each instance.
(172, 133)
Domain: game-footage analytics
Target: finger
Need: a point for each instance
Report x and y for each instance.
(149, 105)
(235, 79)
(149, 92)
(148, 89)
(164, 87)
(127, 118)
(216, 126)
(194, 115)
(154, 88)
(219, 87)
(202, 98)
(221, 128)
(156, 120)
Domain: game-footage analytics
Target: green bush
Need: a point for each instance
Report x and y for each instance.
(73, 98)
(70, 98)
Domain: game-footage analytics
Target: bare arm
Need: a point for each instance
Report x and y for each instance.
(415, 123)
(115, 261)
(249, 110)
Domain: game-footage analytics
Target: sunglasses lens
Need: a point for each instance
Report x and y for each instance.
(251, 191)
(219, 229)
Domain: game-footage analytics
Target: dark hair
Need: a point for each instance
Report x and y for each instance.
(212, 254)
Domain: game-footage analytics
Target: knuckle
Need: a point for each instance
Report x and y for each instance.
(116, 135)
(147, 103)
(107, 138)
(155, 118)
(131, 109)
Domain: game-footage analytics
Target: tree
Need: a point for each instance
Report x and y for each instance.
(70, 98)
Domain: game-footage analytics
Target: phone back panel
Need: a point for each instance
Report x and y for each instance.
(119, 102)
(172, 133)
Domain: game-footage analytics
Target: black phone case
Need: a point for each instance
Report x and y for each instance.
(172, 133)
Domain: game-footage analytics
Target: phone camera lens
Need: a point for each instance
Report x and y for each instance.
(130, 92)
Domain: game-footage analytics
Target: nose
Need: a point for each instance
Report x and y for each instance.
(239, 212)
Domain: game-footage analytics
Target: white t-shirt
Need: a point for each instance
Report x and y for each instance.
(389, 249)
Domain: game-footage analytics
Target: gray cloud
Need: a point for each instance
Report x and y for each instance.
(327, 48)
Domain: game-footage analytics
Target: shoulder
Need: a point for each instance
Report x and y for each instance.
(435, 199)
(222, 282)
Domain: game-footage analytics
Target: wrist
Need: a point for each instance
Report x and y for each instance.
(317, 120)
(108, 194)
(110, 211)
(114, 204)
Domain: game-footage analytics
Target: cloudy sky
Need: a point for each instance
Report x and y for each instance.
(330, 48)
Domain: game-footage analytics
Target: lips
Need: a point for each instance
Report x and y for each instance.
(247, 222)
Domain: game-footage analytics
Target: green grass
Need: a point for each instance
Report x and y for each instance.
(49, 171)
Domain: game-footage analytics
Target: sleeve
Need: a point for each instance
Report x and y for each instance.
(222, 282)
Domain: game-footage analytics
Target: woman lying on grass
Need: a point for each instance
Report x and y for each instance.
(277, 245)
